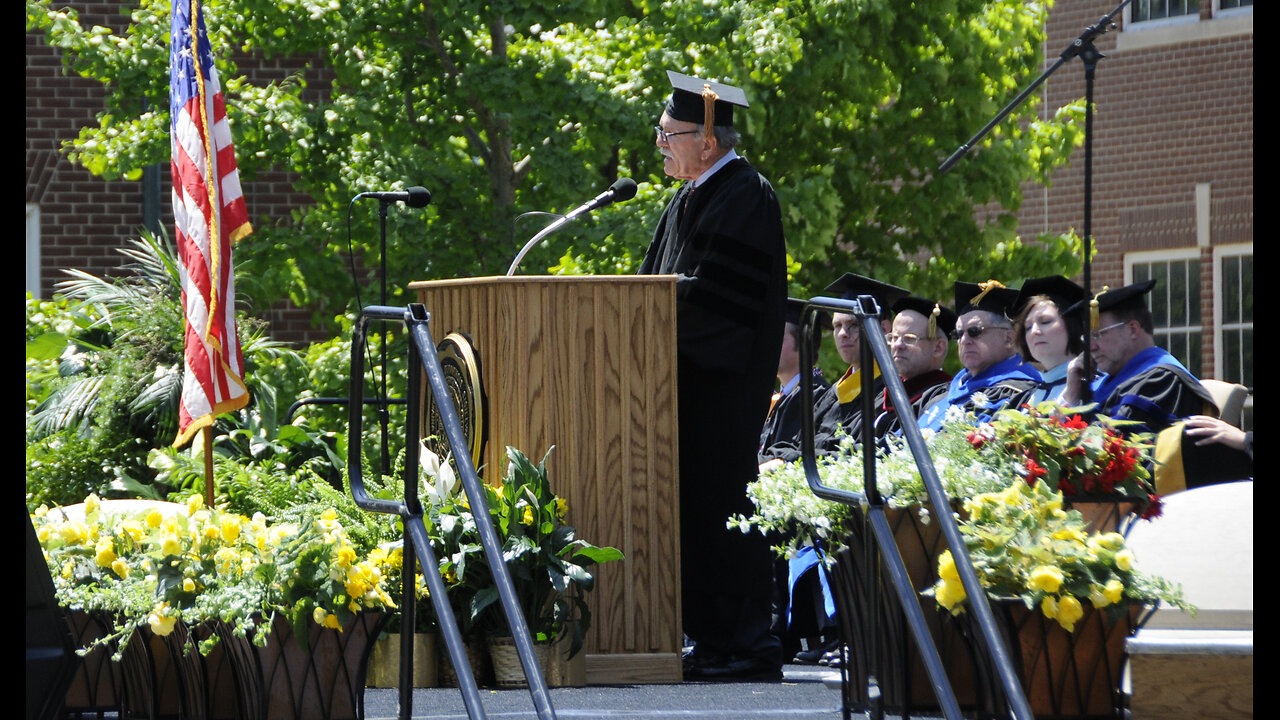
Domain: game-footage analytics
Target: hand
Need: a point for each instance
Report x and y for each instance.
(1213, 430)
(771, 465)
(1075, 373)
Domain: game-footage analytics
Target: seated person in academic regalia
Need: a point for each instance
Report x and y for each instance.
(1142, 381)
(838, 412)
(919, 344)
(782, 425)
(993, 370)
(1047, 335)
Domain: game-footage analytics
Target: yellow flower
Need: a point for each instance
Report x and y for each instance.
(230, 529)
(949, 594)
(324, 618)
(1070, 533)
(154, 518)
(527, 518)
(171, 545)
(194, 503)
(91, 504)
(1124, 559)
(1098, 597)
(227, 561)
(106, 553)
(120, 568)
(1045, 577)
(211, 532)
(43, 534)
(344, 556)
(161, 623)
(134, 530)
(1069, 611)
(1049, 606)
(188, 585)
(562, 508)
(1114, 590)
(947, 567)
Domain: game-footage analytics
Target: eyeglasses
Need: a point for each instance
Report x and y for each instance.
(666, 136)
(976, 331)
(907, 339)
(1097, 334)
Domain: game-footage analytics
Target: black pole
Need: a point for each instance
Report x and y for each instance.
(1089, 56)
(384, 416)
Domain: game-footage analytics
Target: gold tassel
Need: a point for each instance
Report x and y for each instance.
(1094, 322)
(986, 287)
(933, 322)
(709, 98)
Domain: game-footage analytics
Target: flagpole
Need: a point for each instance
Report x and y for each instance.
(207, 432)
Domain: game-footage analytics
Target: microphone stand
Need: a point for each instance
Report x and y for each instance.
(1082, 47)
(384, 416)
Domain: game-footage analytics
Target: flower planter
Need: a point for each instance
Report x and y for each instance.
(324, 680)
(477, 658)
(384, 663)
(903, 679)
(96, 685)
(1064, 674)
(558, 669)
(163, 676)
(1110, 513)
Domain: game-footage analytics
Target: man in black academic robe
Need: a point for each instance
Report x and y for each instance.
(721, 235)
(919, 345)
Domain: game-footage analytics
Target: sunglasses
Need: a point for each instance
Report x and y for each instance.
(976, 331)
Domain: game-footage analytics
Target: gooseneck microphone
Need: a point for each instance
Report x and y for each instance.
(416, 196)
(622, 189)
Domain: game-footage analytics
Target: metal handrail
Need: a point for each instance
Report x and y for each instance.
(873, 347)
(416, 542)
(288, 416)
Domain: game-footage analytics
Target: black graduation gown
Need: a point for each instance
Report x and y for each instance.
(922, 390)
(724, 243)
(784, 420)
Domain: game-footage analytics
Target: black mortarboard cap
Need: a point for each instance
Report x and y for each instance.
(1057, 288)
(1129, 297)
(850, 286)
(937, 315)
(692, 100)
(991, 296)
(795, 308)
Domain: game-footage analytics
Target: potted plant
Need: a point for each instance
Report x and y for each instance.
(384, 663)
(1067, 597)
(550, 567)
(198, 578)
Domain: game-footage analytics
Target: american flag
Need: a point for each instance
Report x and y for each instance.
(209, 217)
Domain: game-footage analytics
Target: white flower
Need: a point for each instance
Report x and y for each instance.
(443, 481)
(980, 400)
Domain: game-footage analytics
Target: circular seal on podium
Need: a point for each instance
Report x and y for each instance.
(461, 365)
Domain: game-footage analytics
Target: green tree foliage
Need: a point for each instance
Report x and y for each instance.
(505, 108)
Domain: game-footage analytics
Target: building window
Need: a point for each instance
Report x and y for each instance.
(1233, 4)
(1147, 10)
(1174, 304)
(1234, 301)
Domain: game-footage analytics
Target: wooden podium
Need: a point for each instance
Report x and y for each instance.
(588, 364)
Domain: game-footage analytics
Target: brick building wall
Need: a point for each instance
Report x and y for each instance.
(1172, 165)
(84, 220)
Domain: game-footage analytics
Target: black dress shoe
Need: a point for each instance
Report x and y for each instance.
(808, 657)
(735, 670)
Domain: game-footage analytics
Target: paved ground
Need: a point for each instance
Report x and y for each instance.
(802, 695)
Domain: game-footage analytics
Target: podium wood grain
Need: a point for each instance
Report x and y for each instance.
(587, 364)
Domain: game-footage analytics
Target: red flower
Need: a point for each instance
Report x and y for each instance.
(975, 439)
(1034, 472)
(1075, 422)
(1154, 509)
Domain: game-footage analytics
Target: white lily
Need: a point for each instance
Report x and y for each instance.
(443, 481)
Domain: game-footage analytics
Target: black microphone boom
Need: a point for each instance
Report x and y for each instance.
(622, 189)
(416, 196)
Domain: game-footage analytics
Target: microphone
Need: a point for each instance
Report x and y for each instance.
(622, 189)
(416, 196)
